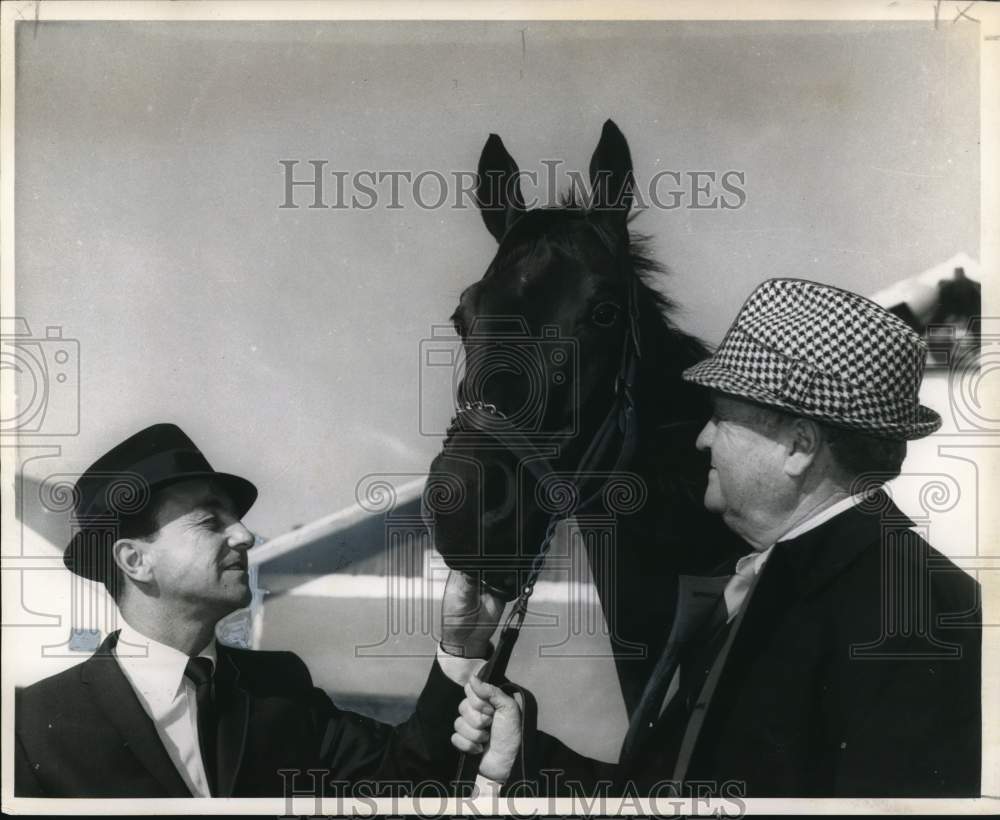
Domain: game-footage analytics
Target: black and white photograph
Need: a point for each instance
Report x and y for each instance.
(507, 408)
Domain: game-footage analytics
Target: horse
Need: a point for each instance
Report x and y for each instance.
(573, 369)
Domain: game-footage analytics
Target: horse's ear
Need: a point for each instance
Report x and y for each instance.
(611, 179)
(498, 193)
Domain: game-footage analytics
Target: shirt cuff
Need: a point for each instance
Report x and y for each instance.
(456, 668)
(486, 787)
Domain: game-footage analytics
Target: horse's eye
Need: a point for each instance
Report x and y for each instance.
(605, 314)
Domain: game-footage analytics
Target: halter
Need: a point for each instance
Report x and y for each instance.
(617, 434)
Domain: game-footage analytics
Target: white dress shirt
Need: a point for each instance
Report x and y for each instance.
(168, 697)
(749, 566)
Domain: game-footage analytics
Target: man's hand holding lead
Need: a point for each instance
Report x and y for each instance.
(489, 723)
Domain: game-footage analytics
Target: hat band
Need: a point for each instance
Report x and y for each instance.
(808, 386)
(817, 390)
(131, 489)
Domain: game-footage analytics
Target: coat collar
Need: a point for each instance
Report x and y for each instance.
(697, 597)
(800, 567)
(115, 697)
(819, 555)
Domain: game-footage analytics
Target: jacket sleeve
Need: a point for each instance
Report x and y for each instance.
(355, 748)
(25, 782)
(547, 767)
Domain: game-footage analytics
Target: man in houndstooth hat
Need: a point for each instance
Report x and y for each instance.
(843, 656)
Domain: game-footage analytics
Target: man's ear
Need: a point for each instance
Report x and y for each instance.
(132, 559)
(804, 440)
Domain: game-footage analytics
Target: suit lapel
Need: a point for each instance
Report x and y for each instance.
(699, 712)
(234, 719)
(114, 696)
(697, 597)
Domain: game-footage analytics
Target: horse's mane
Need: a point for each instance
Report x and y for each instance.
(674, 342)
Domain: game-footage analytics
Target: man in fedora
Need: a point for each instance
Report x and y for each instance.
(162, 709)
(842, 658)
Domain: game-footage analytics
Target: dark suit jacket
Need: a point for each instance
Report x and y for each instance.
(854, 670)
(83, 733)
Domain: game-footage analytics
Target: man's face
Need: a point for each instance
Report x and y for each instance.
(199, 555)
(746, 480)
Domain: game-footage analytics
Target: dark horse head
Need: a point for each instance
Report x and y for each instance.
(563, 324)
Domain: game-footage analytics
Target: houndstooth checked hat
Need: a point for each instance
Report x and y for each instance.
(824, 353)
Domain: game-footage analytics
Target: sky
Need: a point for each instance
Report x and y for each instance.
(287, 341)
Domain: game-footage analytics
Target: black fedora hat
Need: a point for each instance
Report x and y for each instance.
(121, 483)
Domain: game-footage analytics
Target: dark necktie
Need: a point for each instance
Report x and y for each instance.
(199, 672)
